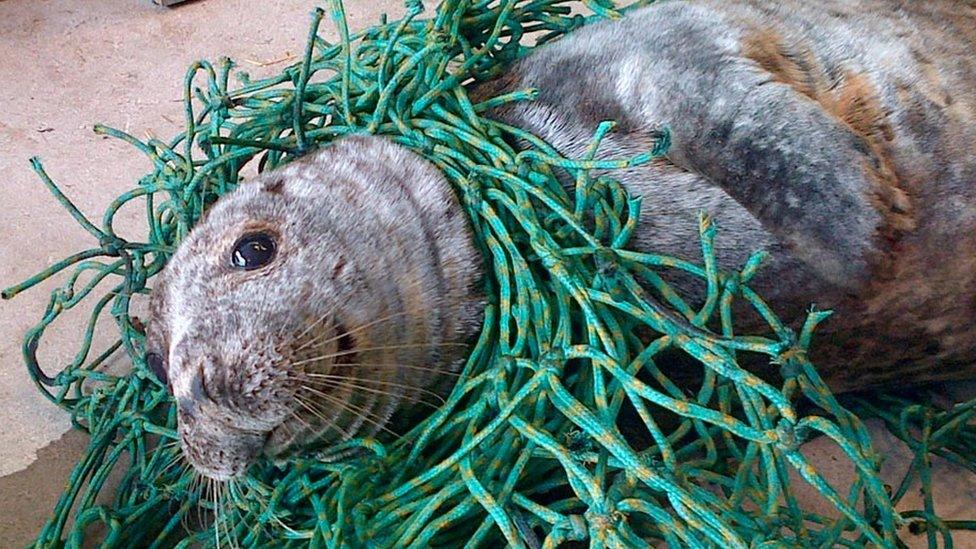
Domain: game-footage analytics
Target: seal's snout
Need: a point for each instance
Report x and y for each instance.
(219, 454)
(230, 394)
(218, 440)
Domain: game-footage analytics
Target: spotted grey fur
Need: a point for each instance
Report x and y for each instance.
(838, 135)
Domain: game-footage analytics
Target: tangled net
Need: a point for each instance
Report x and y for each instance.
(527, 449)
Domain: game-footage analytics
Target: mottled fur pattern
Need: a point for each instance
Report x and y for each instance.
(837, 135)
(840, 136)
(373, 243)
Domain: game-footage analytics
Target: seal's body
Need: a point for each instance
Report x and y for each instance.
(839, 136)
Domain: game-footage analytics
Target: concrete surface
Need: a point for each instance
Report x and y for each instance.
(65, 65)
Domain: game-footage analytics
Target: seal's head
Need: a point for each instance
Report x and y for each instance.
(311, 302)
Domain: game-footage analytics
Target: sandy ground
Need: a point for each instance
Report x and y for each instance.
(65, 65)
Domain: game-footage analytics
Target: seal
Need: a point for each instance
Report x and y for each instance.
(316, 301)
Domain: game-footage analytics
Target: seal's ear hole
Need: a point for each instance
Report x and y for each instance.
(253, 251)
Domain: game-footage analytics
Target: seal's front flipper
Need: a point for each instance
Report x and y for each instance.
(806, 175)
(805, 154)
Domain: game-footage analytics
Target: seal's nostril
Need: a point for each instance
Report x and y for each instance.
(198, 387)
(188, 408)
(155, 363)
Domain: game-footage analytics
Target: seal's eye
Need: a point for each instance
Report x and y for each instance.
(155, 363)
(253, 251)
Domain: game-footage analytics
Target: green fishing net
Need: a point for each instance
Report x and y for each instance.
(527, 450)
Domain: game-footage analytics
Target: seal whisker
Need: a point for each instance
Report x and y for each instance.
(197, 491)
(231, 509)
(280, 522)
(208, 495)
(220, 513)
(316, 339)
(244, 492)
(185, 516)
(294, 433)
(378, 348)
(324, 316)
(333, 309)
(223, 500)
(328, 423)
(212, 491)
(345, 434)
(357, 411)
(395, 365)
(301, 420)
(360, 412)
(410, 398)
(192, 491)
(172, 463)
(164, 448)
(220, 517)
(376, 381)
(178, 458)
(360, 328)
